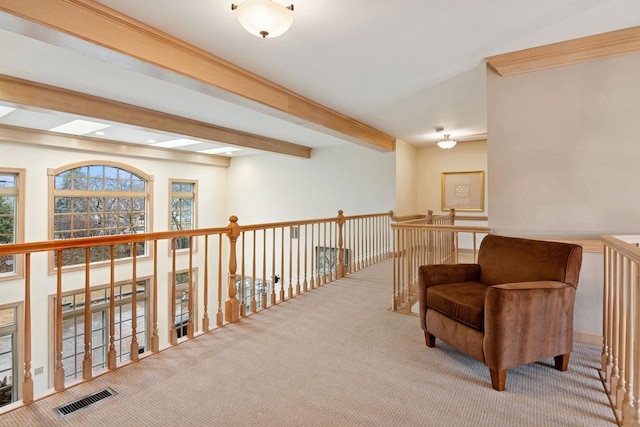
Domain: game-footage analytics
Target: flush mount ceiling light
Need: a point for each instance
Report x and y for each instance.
(264, 18)
(447, 143)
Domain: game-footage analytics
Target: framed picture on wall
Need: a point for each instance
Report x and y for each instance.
(463, 191)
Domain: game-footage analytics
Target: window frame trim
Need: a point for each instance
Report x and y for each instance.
(194, 211)
(19, 221)
(51, 175)
(18, 378)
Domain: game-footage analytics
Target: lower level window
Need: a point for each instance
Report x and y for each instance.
(73, 307)
(8, 348)
(181, 300)
(262, 290)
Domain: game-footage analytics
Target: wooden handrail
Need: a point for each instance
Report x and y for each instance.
(346, 244)
(435, 227)
(82, 242)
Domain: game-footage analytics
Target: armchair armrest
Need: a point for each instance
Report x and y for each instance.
(526, 322)
(440, 274)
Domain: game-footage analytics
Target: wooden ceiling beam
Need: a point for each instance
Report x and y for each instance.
(98, 24)
(24, 92)
(569, 52)
(13, 134)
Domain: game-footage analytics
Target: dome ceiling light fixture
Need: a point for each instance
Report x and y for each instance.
(447, 143)
(264, 18)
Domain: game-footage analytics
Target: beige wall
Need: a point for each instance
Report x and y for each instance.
(563, 154)
(432, 161)
(270, 188)
(564, 146)
(406, 178)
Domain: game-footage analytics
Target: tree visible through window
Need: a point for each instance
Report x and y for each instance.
(99, 200)
(183, 198)
(8, 216)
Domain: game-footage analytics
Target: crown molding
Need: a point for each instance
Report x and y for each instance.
(599, 46)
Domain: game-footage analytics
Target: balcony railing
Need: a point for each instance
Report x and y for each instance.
(422, 240)
(621, 326)
(265, 264)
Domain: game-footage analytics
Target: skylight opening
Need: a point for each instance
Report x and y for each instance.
(5, 110)
(79, 127)
(225, 150)
(174, 143)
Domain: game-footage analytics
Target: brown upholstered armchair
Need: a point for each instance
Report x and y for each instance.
(514, 307)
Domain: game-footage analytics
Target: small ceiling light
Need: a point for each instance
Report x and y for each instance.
(264, 18)
(447, 143)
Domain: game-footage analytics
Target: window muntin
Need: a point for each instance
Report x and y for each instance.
(73, 307)
(9, 193)
(99, 200)
(182, 212)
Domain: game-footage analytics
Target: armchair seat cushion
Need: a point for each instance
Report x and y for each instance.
(463, 302)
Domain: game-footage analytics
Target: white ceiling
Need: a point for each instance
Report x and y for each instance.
(402, 67)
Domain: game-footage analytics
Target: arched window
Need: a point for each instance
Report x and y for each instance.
(99, 200)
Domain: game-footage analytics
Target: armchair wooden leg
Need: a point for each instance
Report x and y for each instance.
(430, 339)
(498, 379)
(562, 362)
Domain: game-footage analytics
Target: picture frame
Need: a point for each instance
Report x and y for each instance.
(463, 191)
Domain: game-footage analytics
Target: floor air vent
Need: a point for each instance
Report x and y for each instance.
(83, 402)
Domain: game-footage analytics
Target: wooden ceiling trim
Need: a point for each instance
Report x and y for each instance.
(26, 92)
(569, 52)
(98, 24)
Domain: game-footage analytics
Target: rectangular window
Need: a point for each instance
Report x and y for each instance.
(10, 197)
(8, 348)
(183, 208)
(73, 307)
(181, 301)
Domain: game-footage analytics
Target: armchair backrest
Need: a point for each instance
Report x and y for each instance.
(511, 259)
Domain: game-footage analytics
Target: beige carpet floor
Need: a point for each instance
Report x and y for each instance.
(335, 356)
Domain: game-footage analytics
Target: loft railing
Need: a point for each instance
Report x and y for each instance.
(422, 240)
(621, 326)
(265, 265)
